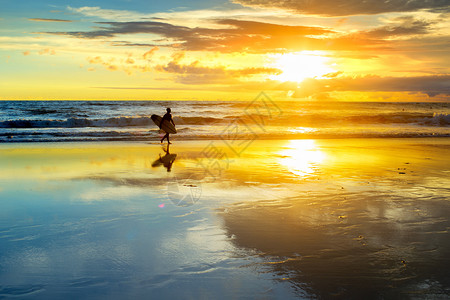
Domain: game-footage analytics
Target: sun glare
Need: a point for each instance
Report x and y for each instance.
(297, 66)
(301, 157)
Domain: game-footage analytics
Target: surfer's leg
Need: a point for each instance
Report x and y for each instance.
(165, 137)
(168, 141)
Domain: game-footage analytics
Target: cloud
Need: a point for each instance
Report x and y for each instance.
(130, 44)
(349, 7)
(108, 14)
(403, 26)
(128, 64)
(195, 73)
(47, 51)
(48, 20)
(268, 29)
(108, 64)
(430, 85)
(130, 61)
(150, 53)
(196, 68)
(249, 36)
(112, 67)
(110, 29)
(431, 50)
(229, 32)
(256, 37)
(95, 60)
(151, 88)
(193, 18)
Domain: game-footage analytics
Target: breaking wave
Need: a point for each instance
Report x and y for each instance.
(436, 119)
(440, 119)
(78, 122)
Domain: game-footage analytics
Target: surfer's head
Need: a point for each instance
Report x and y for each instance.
(168, 110)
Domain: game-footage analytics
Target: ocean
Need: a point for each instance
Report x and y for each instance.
(65, 121)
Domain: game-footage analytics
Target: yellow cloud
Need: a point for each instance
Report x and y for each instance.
(47, 51)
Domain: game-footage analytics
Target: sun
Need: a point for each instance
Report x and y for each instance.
(297, 66)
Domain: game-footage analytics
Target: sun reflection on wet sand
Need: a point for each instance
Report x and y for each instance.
(372, 222)
(309, 218)
(301, 157)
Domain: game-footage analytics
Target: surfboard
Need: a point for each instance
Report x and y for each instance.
(166, 125)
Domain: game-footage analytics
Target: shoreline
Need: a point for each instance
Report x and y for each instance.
(193, 139)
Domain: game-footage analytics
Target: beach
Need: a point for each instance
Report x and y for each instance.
(363, 218)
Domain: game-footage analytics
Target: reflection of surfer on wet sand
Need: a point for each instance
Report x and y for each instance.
(166, 160)
(165, 123)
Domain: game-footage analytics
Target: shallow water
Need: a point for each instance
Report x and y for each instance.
(361, 218)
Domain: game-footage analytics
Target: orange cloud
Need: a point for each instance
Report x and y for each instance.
(48, 20)
(195, 73)
(249, 36)
(109, 65)
(150, 53)
(47, 51)
(348, 7)
(429, 85)
(258, 37)
(95, 60)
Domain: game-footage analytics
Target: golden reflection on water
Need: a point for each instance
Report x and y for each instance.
(374, 224)
(302, 157)
(376, 215)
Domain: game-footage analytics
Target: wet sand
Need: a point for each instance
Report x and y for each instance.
(348, 218)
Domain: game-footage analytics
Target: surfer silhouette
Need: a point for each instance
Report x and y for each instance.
(167, 117)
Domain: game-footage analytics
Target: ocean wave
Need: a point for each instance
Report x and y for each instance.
(198, 120)
(440, 119)
(335, 119)
(108, 122)
(78, 122)
(42, 111)
(314, 120)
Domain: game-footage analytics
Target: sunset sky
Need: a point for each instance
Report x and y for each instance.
(314, 50)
